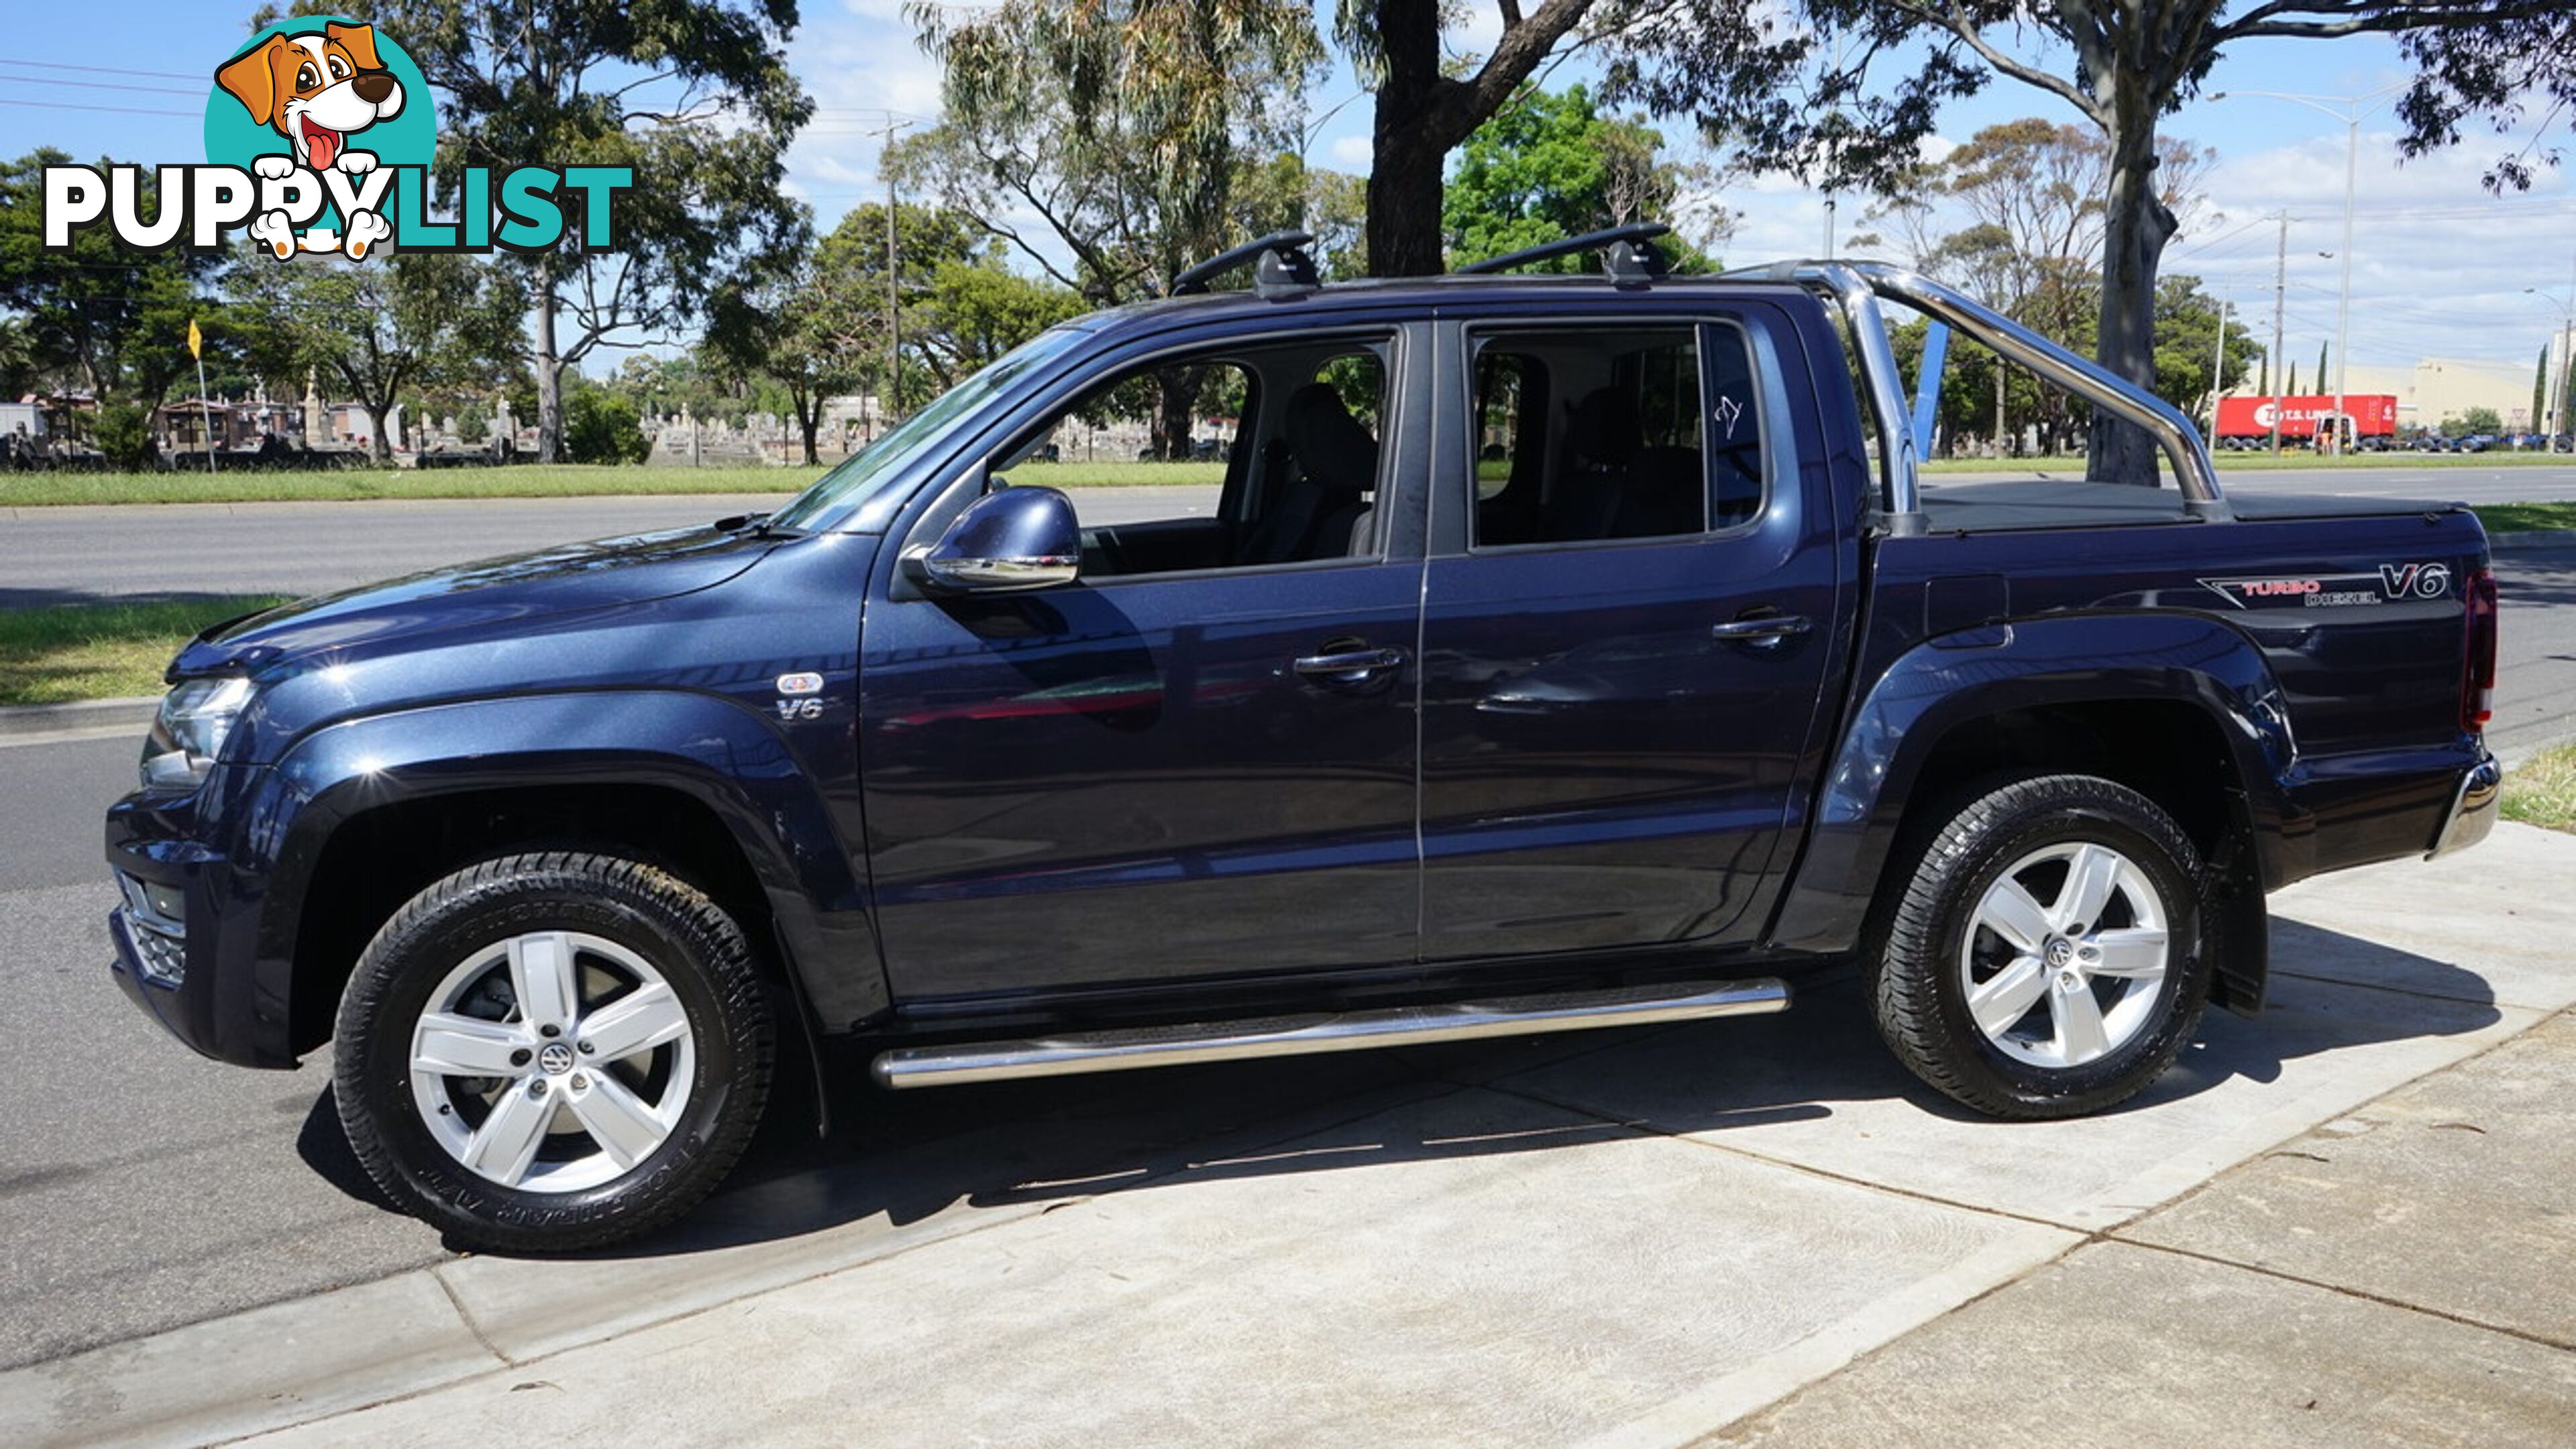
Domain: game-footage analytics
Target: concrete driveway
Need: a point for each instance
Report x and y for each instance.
(1753, 1230)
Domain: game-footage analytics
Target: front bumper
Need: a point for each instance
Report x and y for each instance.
(185, 932)
(2473, 809)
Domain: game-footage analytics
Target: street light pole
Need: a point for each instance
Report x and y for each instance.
(2343, 306)
(2559, 363)
(2351, 186)
(2280, 303)
(2218, 370)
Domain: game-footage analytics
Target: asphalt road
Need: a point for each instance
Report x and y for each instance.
(64, 555)
(68, 555)
(143, 1188)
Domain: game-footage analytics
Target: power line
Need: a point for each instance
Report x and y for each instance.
(106, 69)
(78, 106)
(90, 85)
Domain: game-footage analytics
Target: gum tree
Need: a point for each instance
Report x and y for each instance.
(695, 95)
(1844, 90)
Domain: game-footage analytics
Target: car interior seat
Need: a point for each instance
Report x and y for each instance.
(1316, 516)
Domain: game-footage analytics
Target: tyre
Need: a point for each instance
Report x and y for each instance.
(548, 1052)
(2045, 958)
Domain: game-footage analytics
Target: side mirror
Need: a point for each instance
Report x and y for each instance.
(1018, 538)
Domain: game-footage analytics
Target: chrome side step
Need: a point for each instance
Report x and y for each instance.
(1281, 1036)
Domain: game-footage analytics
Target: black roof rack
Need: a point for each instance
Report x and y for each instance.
(1280, 269)
(1628, 253)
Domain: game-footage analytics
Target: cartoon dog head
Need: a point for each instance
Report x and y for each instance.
(315, 89)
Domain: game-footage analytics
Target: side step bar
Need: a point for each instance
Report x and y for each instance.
(1282, 1036)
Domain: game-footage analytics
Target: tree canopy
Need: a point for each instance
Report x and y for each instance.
(115, 319)
(1844, 91)
(1550, 166)
(693, 94)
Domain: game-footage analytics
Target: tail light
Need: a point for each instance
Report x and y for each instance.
(2478, 663)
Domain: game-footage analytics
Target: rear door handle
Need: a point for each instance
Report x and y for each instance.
(1350, 664)
(1768, 629)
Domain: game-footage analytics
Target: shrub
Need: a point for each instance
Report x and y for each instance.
(601, 427)
(123, 431)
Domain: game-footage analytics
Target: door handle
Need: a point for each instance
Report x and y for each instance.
(1350, 663)
(1766, 630)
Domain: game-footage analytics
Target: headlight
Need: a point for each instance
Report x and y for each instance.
(195, 716)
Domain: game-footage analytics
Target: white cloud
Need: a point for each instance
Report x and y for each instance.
(860, 64)
(1353, 151)
(2439, 266)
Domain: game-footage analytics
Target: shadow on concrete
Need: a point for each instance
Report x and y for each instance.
(909, 1156)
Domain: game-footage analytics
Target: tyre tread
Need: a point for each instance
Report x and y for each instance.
(675, 1186)
(1908, 958)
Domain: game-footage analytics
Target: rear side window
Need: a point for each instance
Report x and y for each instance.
(1638, 432)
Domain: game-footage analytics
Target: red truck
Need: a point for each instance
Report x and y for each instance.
(2246, 422)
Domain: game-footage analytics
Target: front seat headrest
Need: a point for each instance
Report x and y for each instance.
(1333, 449)
(1605, 431)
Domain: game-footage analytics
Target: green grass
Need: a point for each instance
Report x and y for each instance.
(102, 651)
(526, 480)
(2543, 791)
(2525, 517)
(2266, 463)
(1116, 475)
(533, 480)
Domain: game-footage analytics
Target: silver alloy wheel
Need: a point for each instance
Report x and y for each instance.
(552, 1062)
(2070, 980)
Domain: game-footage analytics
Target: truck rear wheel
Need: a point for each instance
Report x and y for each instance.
(549, 1052)
(2045, 959)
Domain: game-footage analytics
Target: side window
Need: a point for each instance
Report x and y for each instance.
(1508, 384)
(1257, 456)
(1583, 436)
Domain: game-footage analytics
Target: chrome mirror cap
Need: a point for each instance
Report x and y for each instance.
(1008, 541)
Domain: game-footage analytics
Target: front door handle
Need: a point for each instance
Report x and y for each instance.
(1767, 630)
(1350, 665)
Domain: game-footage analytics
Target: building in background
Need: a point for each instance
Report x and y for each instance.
(2436, 390)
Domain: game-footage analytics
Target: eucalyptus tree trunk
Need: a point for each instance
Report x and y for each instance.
(550, 420)
(2136, 226)
(1410, 141)
(1424, 114)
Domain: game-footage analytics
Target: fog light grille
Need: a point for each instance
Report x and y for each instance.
(159, 933)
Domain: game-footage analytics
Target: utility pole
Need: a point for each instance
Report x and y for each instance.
(892, 392)
(2355, 108)
(2280, 300)
(2218, 370)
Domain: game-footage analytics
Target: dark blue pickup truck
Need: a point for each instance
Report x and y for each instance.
(1559, 652)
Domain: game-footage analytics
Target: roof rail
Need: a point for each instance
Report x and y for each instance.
(1627, 253)
(1280, 267)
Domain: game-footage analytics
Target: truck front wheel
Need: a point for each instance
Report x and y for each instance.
(553, 1051)
(2045, 958)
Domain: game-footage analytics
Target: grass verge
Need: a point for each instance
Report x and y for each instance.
(2526, 517)
(103, 651)
(532, 480)
(2266, 463)
(2543, 791)
(525, 480)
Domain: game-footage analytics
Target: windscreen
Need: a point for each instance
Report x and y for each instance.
(837, 497)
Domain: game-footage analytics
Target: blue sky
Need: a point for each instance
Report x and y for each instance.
(2439, 266)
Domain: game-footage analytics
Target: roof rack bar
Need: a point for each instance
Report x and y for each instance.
(1636, 234)
(1291, 267)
